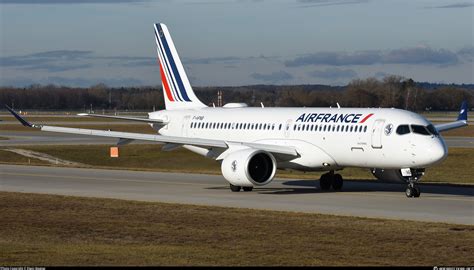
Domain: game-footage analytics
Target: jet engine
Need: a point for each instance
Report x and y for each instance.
(249, 167)
(394, 175)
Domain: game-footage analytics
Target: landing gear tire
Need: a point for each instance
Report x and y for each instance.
(247, 189)
(413, 192)
(235, 188)
(337, 182)
(325, 182)
(417, 192)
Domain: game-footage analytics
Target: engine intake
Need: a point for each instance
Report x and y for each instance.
(249, 167)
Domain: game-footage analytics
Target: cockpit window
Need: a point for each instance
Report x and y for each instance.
(403, 129)
(432, 130)
(420, 130)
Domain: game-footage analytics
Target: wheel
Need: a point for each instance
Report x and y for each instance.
(247, 188)
(325, 182)
(416, 192)
(409, 192)
(337, 182)
(235, 188)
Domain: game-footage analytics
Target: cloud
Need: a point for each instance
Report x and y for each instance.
(213, 60)
(457, 5)
(321, 3)
(333, 73)
(52, 61)
(72, 81)
(418, 55)
(41, 2)
(335, 59)
(467, 53)
(64, 60)
(57, 68)
(272, 77)
(82, 82)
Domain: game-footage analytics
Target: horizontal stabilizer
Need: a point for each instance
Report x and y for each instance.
(460, 122)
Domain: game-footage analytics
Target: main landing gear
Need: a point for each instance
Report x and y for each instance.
(237, 188)
(329, 180)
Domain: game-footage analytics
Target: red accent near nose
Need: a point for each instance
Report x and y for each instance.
(365, 118)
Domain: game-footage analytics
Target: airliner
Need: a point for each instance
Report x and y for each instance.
(251, 143)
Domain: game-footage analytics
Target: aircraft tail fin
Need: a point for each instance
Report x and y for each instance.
(463, 111)
(177, 90)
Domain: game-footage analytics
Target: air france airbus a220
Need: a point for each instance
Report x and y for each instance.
(252, 143)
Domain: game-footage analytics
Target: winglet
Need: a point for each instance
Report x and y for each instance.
(463, 112)
(19, 118)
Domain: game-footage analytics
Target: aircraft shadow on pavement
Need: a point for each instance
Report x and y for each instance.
(311, 186)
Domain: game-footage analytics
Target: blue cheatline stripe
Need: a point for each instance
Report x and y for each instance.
(167, 70)
(173, 67)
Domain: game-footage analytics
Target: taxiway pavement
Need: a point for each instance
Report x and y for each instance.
(438, 203)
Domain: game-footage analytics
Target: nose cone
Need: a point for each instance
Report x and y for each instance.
(437, 151)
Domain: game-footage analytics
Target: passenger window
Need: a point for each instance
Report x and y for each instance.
(403, 129)
(420, 130)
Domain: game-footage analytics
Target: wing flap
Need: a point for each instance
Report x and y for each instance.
(137, 119)
(288, 151)
(137, 136)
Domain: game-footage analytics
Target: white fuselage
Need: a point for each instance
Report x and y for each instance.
(325, 138)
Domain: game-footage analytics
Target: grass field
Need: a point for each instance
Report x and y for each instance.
(57, 230)
(150, 157)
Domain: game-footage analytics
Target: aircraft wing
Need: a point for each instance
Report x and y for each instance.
(460, 122)
(287, 151)
(145, 120)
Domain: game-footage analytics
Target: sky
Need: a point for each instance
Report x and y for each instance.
(236, 42)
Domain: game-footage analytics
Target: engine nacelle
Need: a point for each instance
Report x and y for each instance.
(395, 176)
(249, 167)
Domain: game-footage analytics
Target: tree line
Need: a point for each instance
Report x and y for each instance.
(392, 91)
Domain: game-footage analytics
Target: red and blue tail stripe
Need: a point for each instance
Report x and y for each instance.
(169, 67)
(177, 90)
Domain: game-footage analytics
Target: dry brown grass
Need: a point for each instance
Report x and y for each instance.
(13, 158)
(58, 230)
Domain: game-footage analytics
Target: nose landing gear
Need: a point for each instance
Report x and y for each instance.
(412, 177)
(412, 191)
